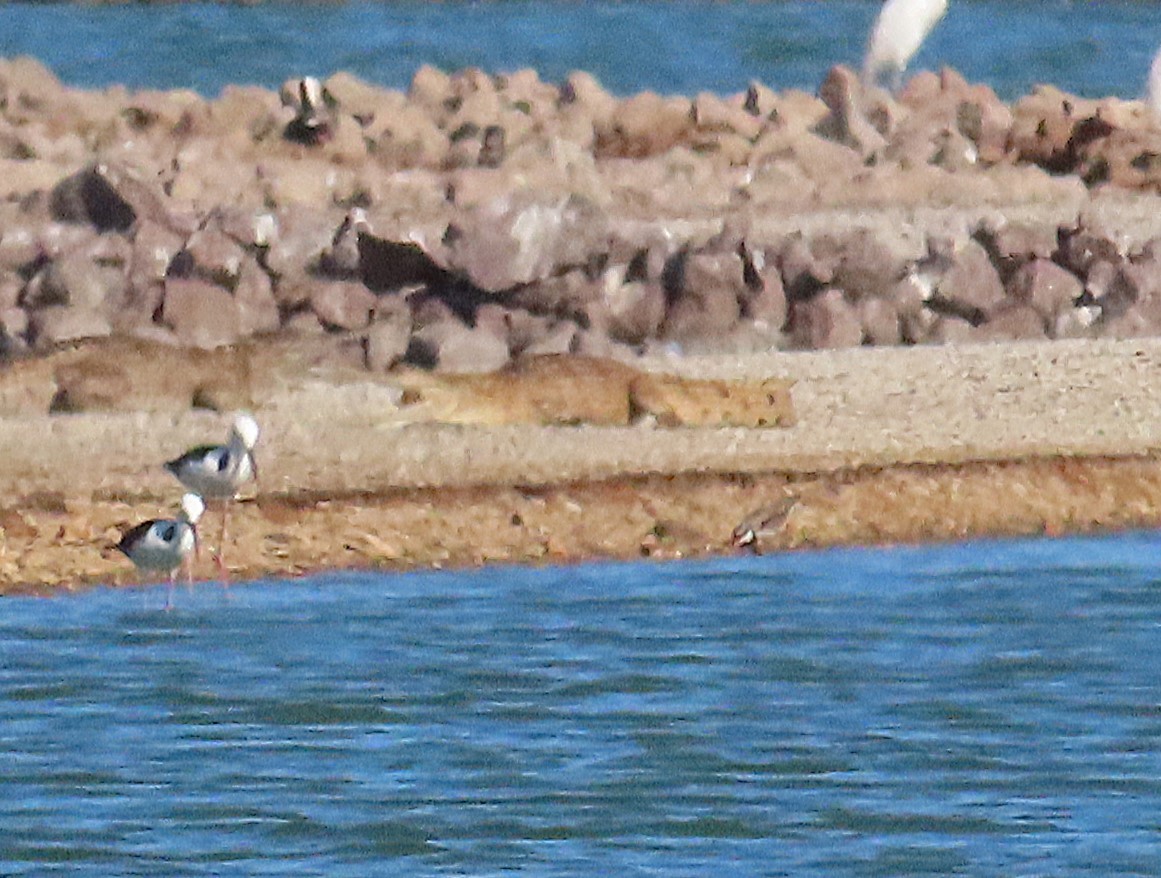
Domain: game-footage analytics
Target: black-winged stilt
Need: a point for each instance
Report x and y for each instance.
(165, 544)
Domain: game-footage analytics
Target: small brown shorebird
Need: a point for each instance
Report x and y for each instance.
(763, 523)
(217, 472)
(164, 545)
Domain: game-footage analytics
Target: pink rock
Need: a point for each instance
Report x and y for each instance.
(450, 346)
(1046, 287)
(764, 300)
(704, 289)
(211, 255)
(825, 322)
(1013, 321)
(58, 323)
(388, 336)
(78, 280)
(298, 238)
(868, 266)
(634, 310)
(254, 294)
(971, 288)
(201, 315)
(557, 338)
(842, 92)
(879, 319)
(645, 124)
(522, 239)
(342, 304)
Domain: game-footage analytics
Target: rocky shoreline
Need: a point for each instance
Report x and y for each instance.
(963, 291)
(478, 218)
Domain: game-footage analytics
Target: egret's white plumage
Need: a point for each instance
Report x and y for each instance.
(899, 31)
(1153, 87)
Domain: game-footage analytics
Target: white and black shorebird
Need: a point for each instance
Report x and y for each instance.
(218, 472)
(164, 545)
(763, 524)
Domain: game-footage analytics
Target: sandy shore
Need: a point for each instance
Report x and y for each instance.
(900, 444)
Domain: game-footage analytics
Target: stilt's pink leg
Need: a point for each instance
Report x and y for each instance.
(220, 559)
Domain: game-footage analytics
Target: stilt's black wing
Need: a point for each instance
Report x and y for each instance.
(176, 465)
(131, 537)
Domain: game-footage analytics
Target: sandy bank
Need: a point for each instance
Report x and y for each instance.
(890, 445)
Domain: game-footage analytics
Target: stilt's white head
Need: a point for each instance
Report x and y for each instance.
(192, 507)
(246, 429)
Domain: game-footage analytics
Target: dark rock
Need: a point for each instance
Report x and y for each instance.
(108, 198)
(1111, 288)
(393, 265)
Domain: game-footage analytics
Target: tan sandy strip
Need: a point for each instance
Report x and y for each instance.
(891, 444)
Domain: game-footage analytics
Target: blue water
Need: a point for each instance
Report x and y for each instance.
(988, 709)
(675, 46)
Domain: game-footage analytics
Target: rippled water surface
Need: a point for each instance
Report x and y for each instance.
(1090, 48)
(991, 708)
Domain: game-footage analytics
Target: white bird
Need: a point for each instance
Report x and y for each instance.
(218, 472)
(763, 523)
(898, 33)
(165, 544)
(1153, 87)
